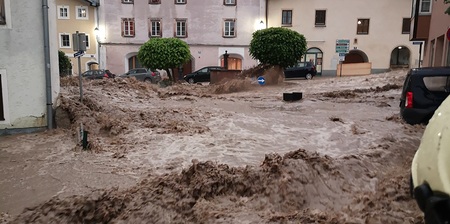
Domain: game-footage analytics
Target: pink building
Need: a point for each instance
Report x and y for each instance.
(209, 27)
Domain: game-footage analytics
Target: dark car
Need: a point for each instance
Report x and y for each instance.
(98, 74)
(201, 75)
(143, 74)
(305, 70)
(423, 92)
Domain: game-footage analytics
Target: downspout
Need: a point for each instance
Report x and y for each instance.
(48, 77)
(97, 26)
(267, 13)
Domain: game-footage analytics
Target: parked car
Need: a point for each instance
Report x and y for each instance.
(424, 90)
(97, 74)
(430, 169)
(143, 74)
(305, 70)
(201, 75)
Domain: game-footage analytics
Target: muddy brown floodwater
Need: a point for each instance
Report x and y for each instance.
(227, 153)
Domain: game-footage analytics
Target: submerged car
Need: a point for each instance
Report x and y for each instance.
(430, 169)
(98, 74)
(305, 70)
(201, 75)
(143, 74)
(424, 90)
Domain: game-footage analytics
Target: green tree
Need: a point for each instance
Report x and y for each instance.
(277, 46)
(64, 64)
(164, 53)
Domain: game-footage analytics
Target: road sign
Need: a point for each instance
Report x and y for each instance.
(78, 54)
(261, 80)
(417, 42)
(342, 45)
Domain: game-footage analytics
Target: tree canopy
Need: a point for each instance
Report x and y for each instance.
(164, 53)
(64, 63)
(277, 46)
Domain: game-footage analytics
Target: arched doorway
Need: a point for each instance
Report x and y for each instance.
(400, 57)
(183, 70)
(133, 62)
(234, 62)
(355, 56)
(314, 55)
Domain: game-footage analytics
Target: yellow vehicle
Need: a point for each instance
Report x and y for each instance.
(430, 171)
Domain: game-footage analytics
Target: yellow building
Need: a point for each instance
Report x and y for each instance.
(81, 16)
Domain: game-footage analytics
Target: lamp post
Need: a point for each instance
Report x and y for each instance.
(225, 60)
(97, 38)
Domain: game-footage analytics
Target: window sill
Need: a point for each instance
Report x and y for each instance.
(320, 25)
(128, 36)
(229, 36)
(362, 34)
(286, 25)
(405, 32)
(229, 4)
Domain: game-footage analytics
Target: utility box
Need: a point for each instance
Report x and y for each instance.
(79, 41)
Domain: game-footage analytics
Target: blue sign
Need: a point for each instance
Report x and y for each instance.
(78, 54)
(417, 42)
(261, 80)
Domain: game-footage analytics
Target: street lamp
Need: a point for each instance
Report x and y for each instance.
(261, 25)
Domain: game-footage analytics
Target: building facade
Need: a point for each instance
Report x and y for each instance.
(210, 28)
(377, 32)
(29, 81)
(81, 16)
(437, 47)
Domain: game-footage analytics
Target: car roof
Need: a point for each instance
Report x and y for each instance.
(430, 71)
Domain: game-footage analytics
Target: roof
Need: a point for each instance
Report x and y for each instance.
(431, 71)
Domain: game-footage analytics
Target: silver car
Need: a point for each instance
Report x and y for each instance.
(143, 74)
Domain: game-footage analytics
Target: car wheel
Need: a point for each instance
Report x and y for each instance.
(308, 76)
(191, 81)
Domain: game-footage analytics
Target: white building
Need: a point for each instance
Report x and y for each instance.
(29, 84)
(377, 31)
(209, 27)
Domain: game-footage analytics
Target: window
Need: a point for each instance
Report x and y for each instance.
(127, 1)
(229, 28)
(286, 17)
(406, 25)
(320, 17)
(180, 1)
(229, 2)
(155, 28)
(63, 12)
(2, 12)
(181, 30)
(425, 6)
(127, 27)
(154, 1)
(64, 40)
(82, 12)
(88, 43)
(363, 26)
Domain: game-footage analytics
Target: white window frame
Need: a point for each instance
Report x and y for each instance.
(180, 1)
(227, 32)
(7, 12)
(4, 94)
(61, 40)
(229, 2)
(77, 12)
(177, 22)
(158, 30)
(128, 1)
(420, 7)
(127, 33)
(60, 7)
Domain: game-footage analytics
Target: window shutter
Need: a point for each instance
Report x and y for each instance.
(123, 27)
(132, 27)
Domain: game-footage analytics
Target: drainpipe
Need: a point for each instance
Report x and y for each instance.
(267, 13)
(48, 77)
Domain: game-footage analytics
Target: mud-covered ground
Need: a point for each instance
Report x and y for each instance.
(228, 153)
